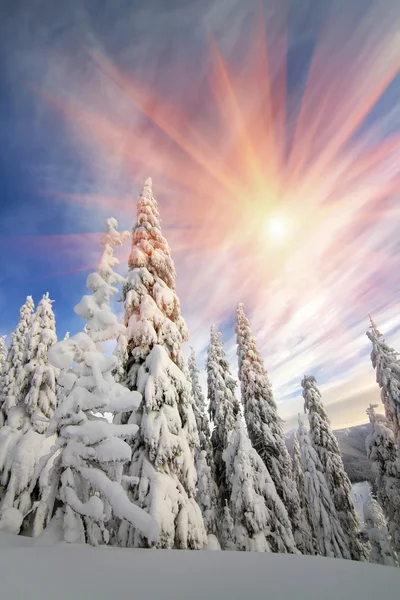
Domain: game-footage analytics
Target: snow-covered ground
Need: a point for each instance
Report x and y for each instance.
(360, 493)
(39, 571)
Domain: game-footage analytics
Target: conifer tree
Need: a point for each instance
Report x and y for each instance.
(16, 359)
(3, 351)
(331, 539)
(88, 457)
(207, 495)
(163, 452)
(223, 408)
(203, 426)
(37, 401)
(381, 451)
(3, 354)
(376, 530)
(298, 477)
(37, 381)
(13, 412)
(261, 522)
(386, 362)
(265, 427)
(227, 533)
(327, 448)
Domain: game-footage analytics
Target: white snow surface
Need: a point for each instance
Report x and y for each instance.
(104, 573)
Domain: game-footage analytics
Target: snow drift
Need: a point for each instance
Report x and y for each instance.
(80, 571)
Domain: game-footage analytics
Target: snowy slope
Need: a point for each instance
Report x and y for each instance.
(66, 571)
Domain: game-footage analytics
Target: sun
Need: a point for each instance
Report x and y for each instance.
(278, 229)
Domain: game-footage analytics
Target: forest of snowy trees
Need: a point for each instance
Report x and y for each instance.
(127, 449)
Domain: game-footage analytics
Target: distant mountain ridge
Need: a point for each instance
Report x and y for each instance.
(352, 445)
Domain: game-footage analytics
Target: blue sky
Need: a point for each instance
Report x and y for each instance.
(48, 153)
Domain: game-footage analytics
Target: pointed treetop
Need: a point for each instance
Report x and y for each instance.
(371, 412)
(148, 182)
(374, 327)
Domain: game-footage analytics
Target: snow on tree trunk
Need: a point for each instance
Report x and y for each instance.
(261, 522)
(207, 495)
(298, 477)
(88, 457)
(376, 530)
(265, 427)
(163, 452)
(16, 360)
(223, 408)
(332, 541)
(382, 452)
(327, 448)
(386, 362)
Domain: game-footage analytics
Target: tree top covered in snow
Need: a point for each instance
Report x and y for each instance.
(386, 362)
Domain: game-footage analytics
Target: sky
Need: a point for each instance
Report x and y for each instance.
(271, 131)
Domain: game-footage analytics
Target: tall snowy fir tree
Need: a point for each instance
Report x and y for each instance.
(16, 359)
(3, 355)
(376, 530)
(223, 408)
(207, 495)
(331, 539)
(298, 477)
(327, 448)
(265, 427)
(382, 452)
(3, 352)
(163, 453)
(88, 457)
(13, 413)
(37, 391)
(261, 522)
(386, 362)
(37, 381)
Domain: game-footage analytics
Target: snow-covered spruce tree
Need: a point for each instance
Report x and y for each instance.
(382, 452)
(88, 457)
(3, 354)
(203, 425)
(227, 535)
(37, 392)
(223, 408)
(3, 351)
(265, 428)
(207, 495)
(16, 359)
(386, 362)
(13, 414)
(376, 530)
(90, 452)
(261, 522)
(37, 381)
(327, 448)
(163, 452)
(298, 477)
(332, 541)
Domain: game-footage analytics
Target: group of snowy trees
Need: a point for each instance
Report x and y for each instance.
(124, 449)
